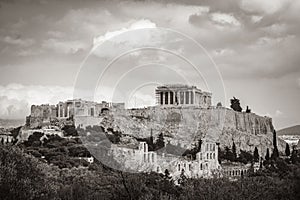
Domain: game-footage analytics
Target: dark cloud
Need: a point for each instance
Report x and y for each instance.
(44, 42)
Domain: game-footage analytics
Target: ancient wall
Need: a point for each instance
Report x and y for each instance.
(41, 114)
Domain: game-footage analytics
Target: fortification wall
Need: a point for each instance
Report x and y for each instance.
(40, 114)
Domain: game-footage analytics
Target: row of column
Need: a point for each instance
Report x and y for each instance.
(175, 98)
(61, 111)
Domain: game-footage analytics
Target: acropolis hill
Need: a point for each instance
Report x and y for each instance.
(183, 114)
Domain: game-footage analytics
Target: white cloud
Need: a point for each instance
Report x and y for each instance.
(223, 52)
(272, 40)
(56, 34)
(256, 18)
(66, 47)
(225, 19)
(140, 24)
(18, 41)
(16, 99)
(29, 52)
(265, 6)
(278, 113)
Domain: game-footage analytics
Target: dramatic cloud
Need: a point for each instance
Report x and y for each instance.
(254, 43)
(16, 99)
(225, 19)
(140, 24)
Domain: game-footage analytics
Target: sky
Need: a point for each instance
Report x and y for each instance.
(55, 50)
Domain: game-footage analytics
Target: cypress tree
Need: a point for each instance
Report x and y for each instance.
(151, 142)
(267, 157)
(199, 145)
(234, 151)
(294, 156)
(275, 153)
(274, 139)
(287, 150)
(256, 155)
(160, 143)
(167, 174)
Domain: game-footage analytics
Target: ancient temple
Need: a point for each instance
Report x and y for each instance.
(183, 95)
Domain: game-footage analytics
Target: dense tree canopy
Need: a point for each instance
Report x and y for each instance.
(32, 179)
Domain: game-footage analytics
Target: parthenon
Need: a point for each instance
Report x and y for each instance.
(184, 95)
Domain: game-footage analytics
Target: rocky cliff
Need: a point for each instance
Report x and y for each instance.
(183, 126)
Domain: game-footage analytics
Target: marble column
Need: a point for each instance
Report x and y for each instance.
(174, 99)
(68, 111)
(194, 97)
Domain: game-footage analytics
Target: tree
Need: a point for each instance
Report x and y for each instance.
(294, 157)
(256, 155)
(221, 154)
(160, 143)
(228, 154)
(150, 142)
(167, 174)
(248, 110)
(235, 104)
(275, 153)
(267, 157)
(287, 150)
(22, 176)
(234, 151)
(245, 157)
(274, 139)
(182, 180)
(2, 141)
(199, 145)
(219, 104)
(260, 163)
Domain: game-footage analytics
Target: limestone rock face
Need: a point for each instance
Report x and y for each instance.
(185, 125)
